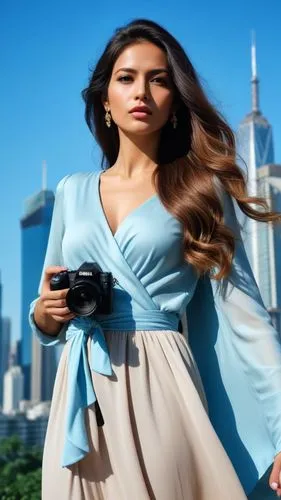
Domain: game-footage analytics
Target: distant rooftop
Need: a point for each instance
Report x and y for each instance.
(256, 117)
(37, 201)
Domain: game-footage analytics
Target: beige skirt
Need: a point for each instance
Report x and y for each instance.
(157, 441)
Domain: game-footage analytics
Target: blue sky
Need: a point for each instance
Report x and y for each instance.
(47, 49)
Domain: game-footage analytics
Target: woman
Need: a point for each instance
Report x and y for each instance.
(130, 417)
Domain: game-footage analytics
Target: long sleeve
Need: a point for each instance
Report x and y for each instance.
(238, 352)
(255, 339)
(53, 257)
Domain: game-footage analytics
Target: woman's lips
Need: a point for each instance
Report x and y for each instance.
(140, 114)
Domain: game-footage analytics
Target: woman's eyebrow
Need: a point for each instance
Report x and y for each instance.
(151, 72)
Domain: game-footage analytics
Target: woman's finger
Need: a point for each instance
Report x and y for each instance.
(64, 319)
(58, 311)
(274, 476)
(49, 304)
(54, 294)
(49, 271)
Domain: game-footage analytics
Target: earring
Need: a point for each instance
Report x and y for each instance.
(108, 118)
(174, 120)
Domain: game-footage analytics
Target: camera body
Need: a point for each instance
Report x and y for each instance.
(90, 289)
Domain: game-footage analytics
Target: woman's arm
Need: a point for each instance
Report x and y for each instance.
(238, 353)
(48, 326)
(255, 340)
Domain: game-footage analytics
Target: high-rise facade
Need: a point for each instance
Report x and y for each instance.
(262, 240)
(254, 135)
(35, 227)
(255, 148)
(17, 352)
(13, 390)
(31, 432)
(269, 247)
(5, 346)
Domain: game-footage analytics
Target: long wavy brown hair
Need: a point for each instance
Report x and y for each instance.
(201, 147)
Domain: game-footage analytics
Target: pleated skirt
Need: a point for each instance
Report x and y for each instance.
(157, 441)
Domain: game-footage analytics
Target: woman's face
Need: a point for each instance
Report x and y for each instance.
(140, 78)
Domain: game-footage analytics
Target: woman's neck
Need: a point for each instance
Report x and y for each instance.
(137, 155)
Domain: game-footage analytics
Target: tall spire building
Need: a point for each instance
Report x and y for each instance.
(254, 136)
(255, 148)
(256, 157)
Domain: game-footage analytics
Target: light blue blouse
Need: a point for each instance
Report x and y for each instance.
(235, 346)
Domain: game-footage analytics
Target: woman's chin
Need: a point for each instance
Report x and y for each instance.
(139, 128)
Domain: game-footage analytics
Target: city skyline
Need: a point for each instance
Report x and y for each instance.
(43, 115)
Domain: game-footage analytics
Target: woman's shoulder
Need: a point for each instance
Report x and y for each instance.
(76, 179)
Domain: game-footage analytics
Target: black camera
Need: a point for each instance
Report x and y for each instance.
(90, 289)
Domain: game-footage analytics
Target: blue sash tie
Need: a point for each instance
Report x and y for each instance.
(80, 390)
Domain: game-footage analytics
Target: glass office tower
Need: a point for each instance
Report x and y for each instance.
(35, 227)
(262, 240)
(269, 243)
(255, 148)
(5, 346)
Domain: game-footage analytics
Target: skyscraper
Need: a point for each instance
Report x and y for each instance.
(5, 342)
(254, 135)
(35, 227)
(5, 346)
(13, 390)
(255, 147)
(262, 240)
(269, 247)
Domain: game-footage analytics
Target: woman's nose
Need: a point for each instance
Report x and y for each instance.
(141, 90)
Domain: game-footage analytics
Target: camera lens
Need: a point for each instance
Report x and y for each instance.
(83, 298)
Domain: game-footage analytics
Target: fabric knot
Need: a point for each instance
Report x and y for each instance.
(80, 390)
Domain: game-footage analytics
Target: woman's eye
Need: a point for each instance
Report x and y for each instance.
(161, 81)
(125, 78)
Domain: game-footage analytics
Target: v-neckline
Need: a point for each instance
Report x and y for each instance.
(132, 212)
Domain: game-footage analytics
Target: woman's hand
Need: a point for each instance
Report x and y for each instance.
(51, 309)
(53, 302)
(275, 476)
